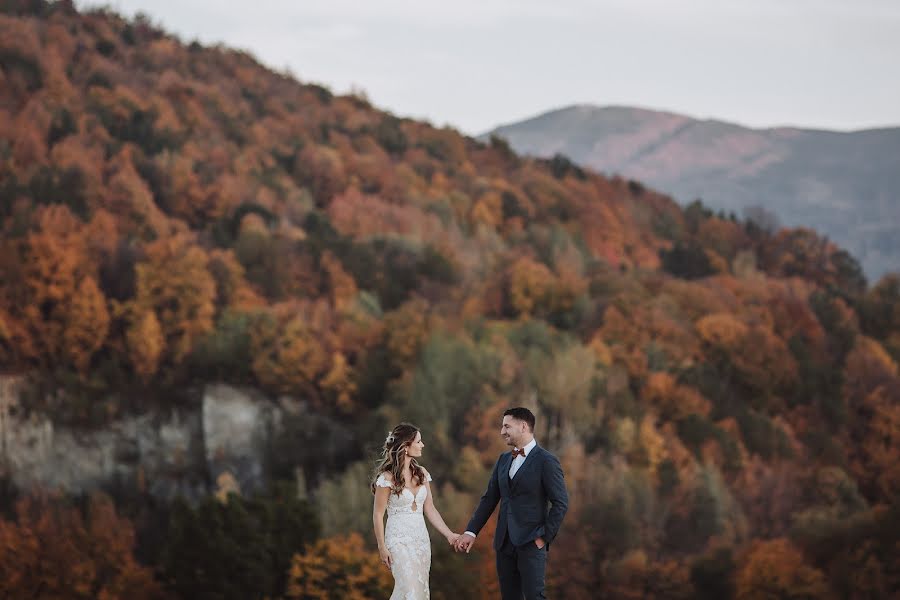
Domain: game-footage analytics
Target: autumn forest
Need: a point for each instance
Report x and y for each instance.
(723, 395)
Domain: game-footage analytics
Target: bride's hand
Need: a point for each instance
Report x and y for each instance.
(385, 556)
(452, 538)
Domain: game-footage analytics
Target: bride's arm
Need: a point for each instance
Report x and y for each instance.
(381, 499)
(434, 516)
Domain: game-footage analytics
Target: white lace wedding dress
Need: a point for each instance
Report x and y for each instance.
(406, 538)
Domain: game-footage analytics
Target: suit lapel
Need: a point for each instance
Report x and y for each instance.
(503, 472)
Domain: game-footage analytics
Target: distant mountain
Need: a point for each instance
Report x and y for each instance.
(845, 184)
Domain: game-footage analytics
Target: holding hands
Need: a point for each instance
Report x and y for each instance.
(464, 543)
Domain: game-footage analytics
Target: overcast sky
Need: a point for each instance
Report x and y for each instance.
(474, 64)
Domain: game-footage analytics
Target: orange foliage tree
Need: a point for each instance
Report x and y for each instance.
(53, 551)
(672, 400)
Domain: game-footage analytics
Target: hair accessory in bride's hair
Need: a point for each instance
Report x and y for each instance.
(389, 439)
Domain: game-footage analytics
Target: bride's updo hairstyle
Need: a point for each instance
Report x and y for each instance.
(393, 455)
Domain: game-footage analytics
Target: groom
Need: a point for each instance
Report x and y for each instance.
(524, 482)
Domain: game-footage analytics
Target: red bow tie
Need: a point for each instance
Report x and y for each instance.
(518, 452)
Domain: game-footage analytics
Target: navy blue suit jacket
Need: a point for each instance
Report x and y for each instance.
(532, 504)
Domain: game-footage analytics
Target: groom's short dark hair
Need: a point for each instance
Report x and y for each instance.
(523, 414)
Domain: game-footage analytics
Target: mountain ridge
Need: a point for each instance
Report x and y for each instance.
(793, 171)
(591, 108)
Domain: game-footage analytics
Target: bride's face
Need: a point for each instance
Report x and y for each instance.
(415, 448)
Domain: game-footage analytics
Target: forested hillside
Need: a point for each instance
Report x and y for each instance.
(724, 398)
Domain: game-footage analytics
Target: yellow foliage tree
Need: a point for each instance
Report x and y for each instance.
(867, 365)
(87, 323)
(672, 400)
(339, 384)
(406, 329)
(16, 346)
(881, 444)
(188, 199)
(228, 274)
(488, 210)
(776, 569)
(50, 273)
(722, 329)
(338, 568)
(289, 357)
(626, 342)
(635, 577)
(174, 282)
(322, 170)
(145, 343)
(341, 285)
(653, 444)
(529, 285)
(723, 237)
(764, 359)
(131, 200)
(761, 357)
(564, 390)
(601, 350)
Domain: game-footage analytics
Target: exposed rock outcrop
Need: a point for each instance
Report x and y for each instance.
(184, 451)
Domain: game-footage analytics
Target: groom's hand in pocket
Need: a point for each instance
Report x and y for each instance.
(539, 542)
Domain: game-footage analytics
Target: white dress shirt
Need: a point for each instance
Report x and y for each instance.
(517, 462)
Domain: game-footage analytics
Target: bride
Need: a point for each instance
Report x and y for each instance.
(402, 487)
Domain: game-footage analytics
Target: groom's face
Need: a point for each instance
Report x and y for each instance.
(513, 430)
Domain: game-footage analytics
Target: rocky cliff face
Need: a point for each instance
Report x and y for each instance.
(221, 439)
